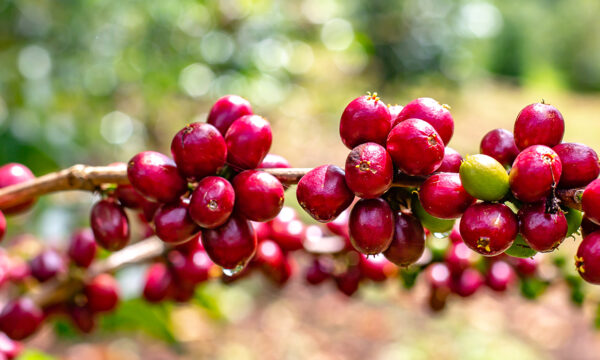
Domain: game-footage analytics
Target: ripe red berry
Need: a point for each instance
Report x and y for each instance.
(590, 201)
(129, 197)
(588, 226)
(587, 259)
(226, 110)
(371, 226)
(262, 230)
(500, 276)
(273, 161)
(467, 283)
(323, 193)
(542, 231)
(110, 225)
(287, 230)
(443, 196)
(82, 318)
(539, 124)
(499, 144)
(369, 170)
(579, 164)
(273, 262)
(408, 242)
(47, 265)
(535, 171)
(365, 119)
(194, 267)
(348, 281)
(319, 270)
(451, 162)
(436, 114)
(12, 174)
(394, 111)
(102, 293)
(212, 202)
(173, 224)
(248, 142)
(525, 266)
(231, 245)
(438, 275)
(20, 318)
(82, 248)
(377, 267)
(258, 195)
(158, 283)
(339, 226)
(459, 257)
(199, 150)
(489, 229)
(156, 176)
(415, 147)
(2, 225)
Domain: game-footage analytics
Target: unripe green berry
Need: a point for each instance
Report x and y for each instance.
(428, 221)
(574, 218)
(484, 178)
(520, 249)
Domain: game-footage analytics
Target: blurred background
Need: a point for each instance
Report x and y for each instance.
(97, 81)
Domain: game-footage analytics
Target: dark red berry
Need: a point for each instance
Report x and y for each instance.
(194, 267)
(377, 267)
(199, 150)
(579, 164)
(543, 231)
(212, 202)
(82, 318)
(500, 276)
(226, 110)
(110, 225)
(173, 224)
(415, 147)
(12, 174)
(231, 245)
(459, 257)
(47, 265)
(436, 114)
(183, 292)
(535, 171)
(451, 162)
(129, 197)
(318, 271)
(443, 196)
(587, 259)
(408, 242)
(248, 142)
(82, 248)
(323, 193)
(588, 226)
(369, 170)
(525, 266)
(365, 119)
(158, 283)
(349, 281)
(590, 201)
(371, 226)
(467, 283)
(2, 225)
(489, 229)
(273, 161)
(20, 318)
(102, 293)
(287, 230)
(272, 261)
(500, 144)
(149, 208)
(156, 176)
(539, 124)
(258, 195)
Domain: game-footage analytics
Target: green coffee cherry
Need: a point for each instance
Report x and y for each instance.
(574, 218)
(484, 177)
(520, 249)
(434, 224)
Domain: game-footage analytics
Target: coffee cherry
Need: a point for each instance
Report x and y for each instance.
(535, 171)
(47, 265)
(183, 292)
(520, 248)
(319, 271)
(2, 225)
(212, 202)
(542, 231)
(110, 225)
(20, 318)
(273, 262)
(371, 226)
(339, 226)
(525, 267)
(348, 281)
(226, 110)
(438, 275)
(415, 147)
(489, 229)
(262, 230)
(231, 245)
(173, 224)
(428, 221)
(454, 235)
(433, 112)
(129, 197)
(323, 193)
(102, 293)
(82, 318)
(587, 259)
(158, 283)
(377, 267)
(273, 161)
(199, 150)
(590, 201)
(451, 162)
(459, 257)
(539, 124)
(574, 218)
(82, 248)
(579, 164)
(588, 226)
(365, 119)
(287, 230)
(194, 267)
(248, 142)
(443, 196)
(149, 208)
(408, 241)
(467, 283)
(500, 276)
(394, 111)
(12, 174)
(484, 177)
(258, 195)
(500, 144)
(156, 176)
(369, 170)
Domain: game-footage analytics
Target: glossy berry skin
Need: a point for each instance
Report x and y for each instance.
(47, 265)
(248, 142)
(489, 229)
(193, 268)
(258, 195)
(323, 193)
(2, 225)
(20, 318)
(543, 232)
(12, 174)
(408, 241)
(467, 283)
(156, 176)
(110, 225)
(212, 202)
(451, 162)
(365, 119)
(199, 150)
(377, 267)
(369, 170)
(274, 161)
(273, 262)
(500, 144)
(287, 230)
(83, 248)
(579, 164)
(588, 226)
(173, 224)
(102, 293)
(415, 147)
(534, 172)
(443, 196)
(459, 257)
(231, 245)
(539, 124)
(129, 197)
(158, 283)
(587, 259)
(371, 226)
(394, 111)
(590, 201)
(431, 111)
(500, 276)
(226, 110)
(339, 226)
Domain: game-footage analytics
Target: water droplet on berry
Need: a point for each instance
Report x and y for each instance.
(234, 271)
(441, 235)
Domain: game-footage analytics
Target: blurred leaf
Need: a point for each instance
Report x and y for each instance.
(30, 354)
(532, 288)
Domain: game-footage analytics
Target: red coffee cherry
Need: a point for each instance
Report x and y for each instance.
(110, 225)
(12, 174)
(541, 230)
(339, 226)
(199, 150)
(82, 318)
(323, 193)
(489, 229)
(539, 124)
(579, 164)
(273, 161)
(365, 119)
(212, 202)
(394, 111)
(47, 265)
(82, 248)
(156, 176)
(500, 276)
(451, 162)
(377, 267)
(2, 225)
(273, 262)
(129, 197)
(158, 283)
(371, 226)
(590, 201)
(258, 195)
(467, 283)
(319, 270)
(443, 196)
(431, 111)
(459, 257)
(349, 281)
(226, 110)
(588, 226)
(369, 170)
(20, 318)
(415, 147)
(408, 242)
(438, 276)
(525, 266)
(535, 171)
(287, 230)
(248, 142)
(500, 144)
(194, 267)
(231, 245)
(587, 259)
(102, 293)
(173, 224)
